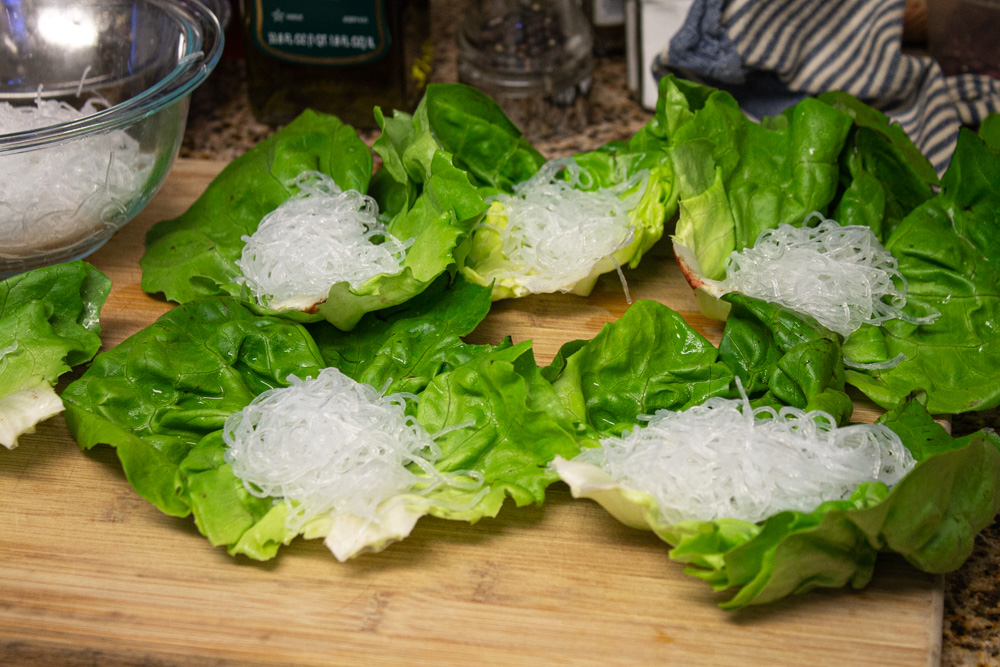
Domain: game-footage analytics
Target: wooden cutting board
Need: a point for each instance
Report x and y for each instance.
(93, 574)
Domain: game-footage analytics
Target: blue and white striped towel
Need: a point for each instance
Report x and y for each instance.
(771, 53)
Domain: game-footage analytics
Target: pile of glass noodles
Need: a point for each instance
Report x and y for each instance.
(331, 445)
(726, 459)
(320, 236)
(557, 227)
(840, 275)
(51, 196)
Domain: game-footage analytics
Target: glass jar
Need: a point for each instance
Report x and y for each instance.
(527, 54)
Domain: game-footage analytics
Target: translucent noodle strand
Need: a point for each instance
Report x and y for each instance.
(4, 351)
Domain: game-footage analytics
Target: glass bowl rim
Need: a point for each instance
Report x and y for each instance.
(203, 49)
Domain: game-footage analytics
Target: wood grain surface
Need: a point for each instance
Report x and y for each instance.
(93, 574)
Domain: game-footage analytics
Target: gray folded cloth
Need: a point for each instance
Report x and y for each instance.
(771, 53)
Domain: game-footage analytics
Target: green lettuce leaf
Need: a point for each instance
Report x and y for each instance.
(195, 254)
(517, 425)
(651, 359)
(989, 130)
(498, 418)
(405, 158)
(437, 222)
(738, 178)
(472, 129)
(162, 397)
(884, 175)
(648, 360)
(158, 394)
(224, 511)
(406, 347)
(465, 123)
(947, 251)
(837, 156)
(931, 518)
(49, 322)
(677, 102)
(484, 262)
(784, 359)
(832, 155)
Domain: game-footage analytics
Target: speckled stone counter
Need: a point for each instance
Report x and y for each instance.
(222, 127)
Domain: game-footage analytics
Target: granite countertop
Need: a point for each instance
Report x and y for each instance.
(221, 127)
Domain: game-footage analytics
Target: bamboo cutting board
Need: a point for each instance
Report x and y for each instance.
(92, 574)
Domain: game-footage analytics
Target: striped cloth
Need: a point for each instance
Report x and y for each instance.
(771, 53)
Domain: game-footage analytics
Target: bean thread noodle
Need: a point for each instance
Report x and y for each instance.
(840, 275)
(876, 365)
(318, 237)
(330, 444)
(557, 229)
(726, 459)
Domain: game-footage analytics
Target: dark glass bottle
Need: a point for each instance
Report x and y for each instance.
(343, 57)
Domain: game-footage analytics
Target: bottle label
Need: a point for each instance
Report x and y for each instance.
(321, 32)
(609, 13)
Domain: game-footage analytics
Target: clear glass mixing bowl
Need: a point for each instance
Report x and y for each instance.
(66, 187)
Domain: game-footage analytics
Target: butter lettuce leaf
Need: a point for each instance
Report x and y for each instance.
(931, 518)
(472, 129)
(839, 157)
(483, 260)
(884, 175)
(49, 322)
(404, 348)
(648, 360)
(515, 424)
(946, 249)
(989, 130)
(438, 221)
(832, 154)
(784, 358)
(195, 254)
(162, 397)
(651, 359)
(468, 125)
(155, 396)
(738, 178)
